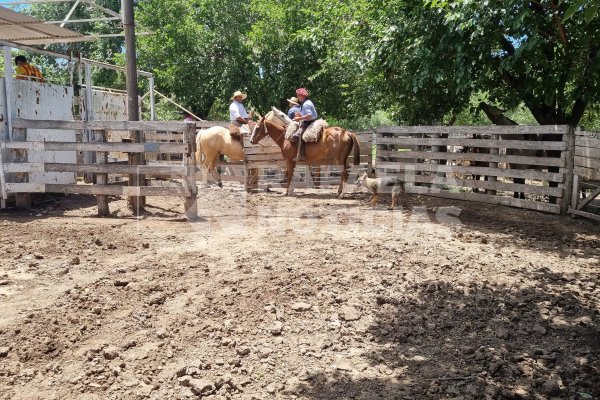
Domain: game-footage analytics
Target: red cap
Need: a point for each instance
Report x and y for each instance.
(302, 92)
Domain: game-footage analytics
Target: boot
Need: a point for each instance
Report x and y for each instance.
(301, 156)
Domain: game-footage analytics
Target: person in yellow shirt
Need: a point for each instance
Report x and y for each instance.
(26, 71)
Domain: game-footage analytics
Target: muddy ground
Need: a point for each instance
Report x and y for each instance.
(306, 297)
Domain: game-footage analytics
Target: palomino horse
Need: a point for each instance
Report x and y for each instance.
(213, 142)
(336, 143)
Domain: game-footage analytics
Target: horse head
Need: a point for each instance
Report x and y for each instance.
(260, 130)
(280, 116)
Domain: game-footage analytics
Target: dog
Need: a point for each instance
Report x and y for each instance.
(377, 186)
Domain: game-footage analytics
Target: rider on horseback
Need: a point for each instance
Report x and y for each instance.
(307, 115)
(239, 118)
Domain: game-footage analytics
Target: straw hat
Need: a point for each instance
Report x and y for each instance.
(293, 100)
(239, 93)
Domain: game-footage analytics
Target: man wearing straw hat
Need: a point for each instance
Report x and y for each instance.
(294, 107)
(238, 115)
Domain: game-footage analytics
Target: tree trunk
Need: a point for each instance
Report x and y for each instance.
(496, 115)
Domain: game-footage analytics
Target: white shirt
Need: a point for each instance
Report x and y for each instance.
(236, 110)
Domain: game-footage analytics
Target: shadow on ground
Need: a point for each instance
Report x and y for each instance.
(442, 340)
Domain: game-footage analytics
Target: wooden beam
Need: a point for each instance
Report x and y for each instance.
(109, 190)
(487, 185)
(588, 199)
(469, 170)
(585, 141)
(148, 147)
(488, 199)
(480, 143)
(587, 173)
(588, 152)
(584, 214)
(587, 162)
(470, 130)
(163, 126)
(520, 160)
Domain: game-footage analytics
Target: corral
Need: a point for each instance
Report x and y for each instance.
(256, 295)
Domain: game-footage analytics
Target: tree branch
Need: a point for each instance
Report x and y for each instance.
(536, 5)
(578, 111)
(495, 115)
(559, 25)
(508, 46)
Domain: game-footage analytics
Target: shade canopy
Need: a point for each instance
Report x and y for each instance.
(24, 29)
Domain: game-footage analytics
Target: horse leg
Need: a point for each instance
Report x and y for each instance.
(290, 166)
(344, 181)
(212, 167)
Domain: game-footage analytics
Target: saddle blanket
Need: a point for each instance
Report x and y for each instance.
(312, 133)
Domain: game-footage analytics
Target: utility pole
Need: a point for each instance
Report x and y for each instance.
(133, 113)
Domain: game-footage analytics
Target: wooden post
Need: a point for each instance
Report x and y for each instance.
(8, 101)
(436, 149)
(575, 192)
(102, 179)
(493, 179)
(569, 171)
(189, 161)
(133, 110)
(3, 194)
(23, 200)
(152, 99)
(251, 179)
(88, 156)
(316, 176)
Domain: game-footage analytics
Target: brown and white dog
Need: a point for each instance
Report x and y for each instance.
(377, 186)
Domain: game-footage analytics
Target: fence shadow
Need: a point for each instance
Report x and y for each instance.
(442, 340)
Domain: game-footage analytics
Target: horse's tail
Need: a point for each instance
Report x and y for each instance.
(199, 149)
(356, 146)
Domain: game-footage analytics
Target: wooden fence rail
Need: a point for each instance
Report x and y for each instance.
(18, 169)
(547, 167)
(511, 160)
(586, 180)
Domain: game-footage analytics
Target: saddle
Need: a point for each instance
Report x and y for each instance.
(237, 132)
(312, 134)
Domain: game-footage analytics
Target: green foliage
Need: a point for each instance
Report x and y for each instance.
(198, 51)
(590, 9)
(377, 119)
(421, 62)
(522, 52)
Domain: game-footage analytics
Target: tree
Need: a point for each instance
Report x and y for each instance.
(198, 50)
(526, 51)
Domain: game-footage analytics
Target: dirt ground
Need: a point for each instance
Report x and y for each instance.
(305, 297)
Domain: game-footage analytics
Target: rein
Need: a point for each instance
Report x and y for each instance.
(267, 131)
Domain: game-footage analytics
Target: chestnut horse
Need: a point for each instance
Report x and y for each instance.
(336, 143)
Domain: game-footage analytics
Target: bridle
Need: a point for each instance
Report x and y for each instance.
(265, 127)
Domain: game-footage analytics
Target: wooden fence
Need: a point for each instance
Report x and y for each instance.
(487, 164)
(18, 167)
(586, 180)
(547, 166)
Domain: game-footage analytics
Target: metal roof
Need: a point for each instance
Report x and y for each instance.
(24, 29)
